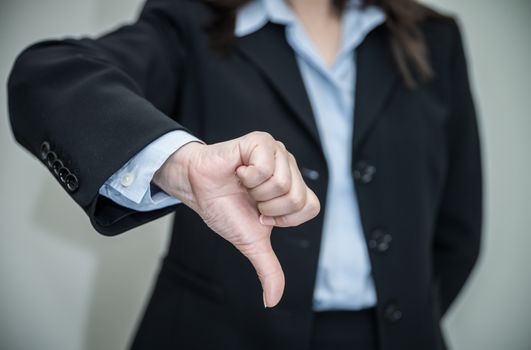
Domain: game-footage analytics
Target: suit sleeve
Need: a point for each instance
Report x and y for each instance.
(85, 106)
(458, 233)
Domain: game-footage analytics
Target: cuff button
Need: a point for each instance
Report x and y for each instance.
(51, 157)
(63, 173)
(56, 166)
(127, 179)
(45, 148)
(72, 183)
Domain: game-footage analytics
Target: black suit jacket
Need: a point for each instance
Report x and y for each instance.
(85, 106)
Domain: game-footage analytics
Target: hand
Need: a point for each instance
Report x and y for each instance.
(242, 188)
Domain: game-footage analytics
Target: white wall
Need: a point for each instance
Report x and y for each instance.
(63, 286)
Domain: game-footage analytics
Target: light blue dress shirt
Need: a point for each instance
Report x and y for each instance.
(344, 279)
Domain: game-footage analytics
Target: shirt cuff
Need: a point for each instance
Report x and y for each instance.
(131, 185)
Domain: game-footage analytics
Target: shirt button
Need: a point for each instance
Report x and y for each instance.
(127, 179)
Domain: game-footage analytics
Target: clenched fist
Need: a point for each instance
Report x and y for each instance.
(242, 188)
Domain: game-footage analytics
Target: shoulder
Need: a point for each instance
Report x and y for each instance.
(187, 19)
(441, 30)
(442, 33)
(188, 11)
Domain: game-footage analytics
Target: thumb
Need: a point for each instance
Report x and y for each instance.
(267, 266)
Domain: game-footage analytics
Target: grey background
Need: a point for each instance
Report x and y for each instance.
(63, 286)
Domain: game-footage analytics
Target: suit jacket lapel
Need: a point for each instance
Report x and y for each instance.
(268, 50)
(376, 76)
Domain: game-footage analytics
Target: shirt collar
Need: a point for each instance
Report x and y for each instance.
(255, 14)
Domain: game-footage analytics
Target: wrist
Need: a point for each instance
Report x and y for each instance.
(173, 176)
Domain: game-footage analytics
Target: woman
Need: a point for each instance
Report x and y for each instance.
(333, 143)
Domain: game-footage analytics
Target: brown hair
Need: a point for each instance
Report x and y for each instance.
(403, 18)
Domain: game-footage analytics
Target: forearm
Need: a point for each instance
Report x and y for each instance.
(173, 176)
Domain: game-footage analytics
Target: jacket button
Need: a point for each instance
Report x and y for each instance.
(392, 313)
(310, 173)
(304, 244)
(45, 148)
(380, 241)
(50, 158)
(72, 183)
(364, 172)
(63, 173)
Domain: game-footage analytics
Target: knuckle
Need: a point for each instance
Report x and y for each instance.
(315, 205)
(282, 221)
(291, 221)
(288, 221)
(281, 145)
(261, 135)
(263, 208)
(296, 202)
(264, 173)
(315, 208)
(282, 184)
(292, 158)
